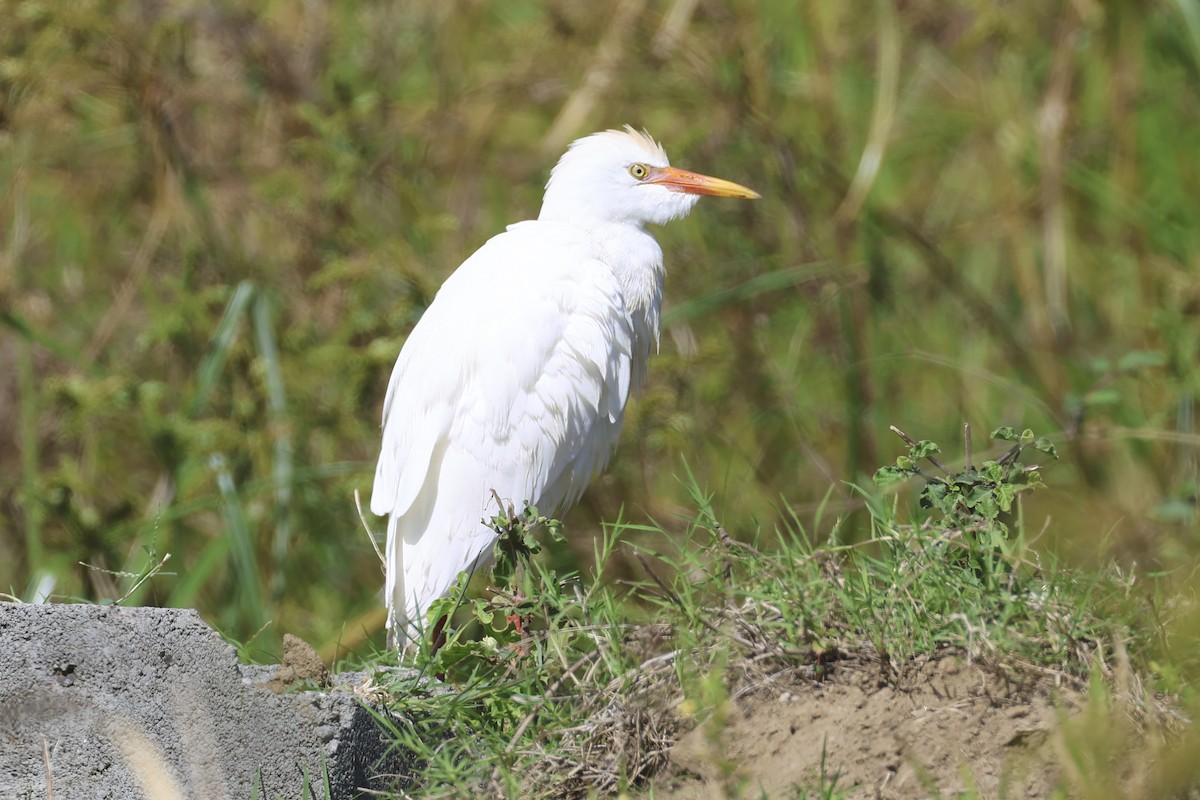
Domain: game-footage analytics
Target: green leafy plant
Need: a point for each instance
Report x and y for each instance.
(521, 593)
(973, 499)
(519, 542)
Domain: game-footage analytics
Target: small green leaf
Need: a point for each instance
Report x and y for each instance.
(1102, 397)
(971, 497)
(484, 613)
(986, 506)
(991, 471)
(885, 476)
(1005, 493)
(935, 491)
(995, 534)
(966, 480)
(1140, 359)
(554, 529)
(1005, 433)
(1046, 446)
(528, 540)
(923, 449)
(945, 497)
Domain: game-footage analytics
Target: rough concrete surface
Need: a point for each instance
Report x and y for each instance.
(128, 703)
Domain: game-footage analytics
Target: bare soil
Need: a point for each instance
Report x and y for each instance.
(942, 727)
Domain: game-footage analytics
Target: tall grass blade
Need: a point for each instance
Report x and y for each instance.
(249, 594)
(30, 459)
(214, 361)
(186, 590)
(283, 464)
(887, 82)
(17, 324)
(766, 283)
(1190, 10)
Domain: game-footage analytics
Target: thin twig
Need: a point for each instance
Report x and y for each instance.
(730, 542)
(662, 658)
(370, 534)
(1051, 123)
(675, 21)
(49, 772)
(1011, 455)
(967, 445)
(670, 593)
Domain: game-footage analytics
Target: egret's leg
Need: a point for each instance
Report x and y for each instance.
(438, 637)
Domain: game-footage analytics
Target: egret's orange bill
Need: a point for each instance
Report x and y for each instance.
(680, 180)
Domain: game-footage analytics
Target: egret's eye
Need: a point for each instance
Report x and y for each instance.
(639, 171)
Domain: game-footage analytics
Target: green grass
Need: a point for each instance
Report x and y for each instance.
(536, 713)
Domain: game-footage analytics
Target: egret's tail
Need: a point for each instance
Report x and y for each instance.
(440, 535)
(398, 621)
(419, 572)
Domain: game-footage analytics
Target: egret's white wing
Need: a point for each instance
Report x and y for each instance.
(514, 380)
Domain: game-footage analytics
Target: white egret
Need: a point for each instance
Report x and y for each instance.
(515, 379)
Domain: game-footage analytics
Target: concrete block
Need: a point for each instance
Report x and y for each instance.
(127, 703)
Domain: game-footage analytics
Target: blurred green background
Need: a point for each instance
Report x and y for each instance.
(219, 220)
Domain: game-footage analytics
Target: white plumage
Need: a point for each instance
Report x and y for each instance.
(515, 379)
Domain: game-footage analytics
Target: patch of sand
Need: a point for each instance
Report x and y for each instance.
(943, 727)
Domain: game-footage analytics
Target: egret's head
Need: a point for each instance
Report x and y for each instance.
(624, 176)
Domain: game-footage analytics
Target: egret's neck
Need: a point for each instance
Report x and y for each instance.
(637, 262)
(636, 259)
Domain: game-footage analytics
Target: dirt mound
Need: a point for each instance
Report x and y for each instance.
(942, 727)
